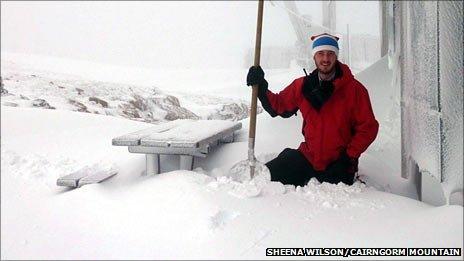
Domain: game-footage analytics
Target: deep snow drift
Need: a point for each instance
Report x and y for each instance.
(200, 213)
(183, 214)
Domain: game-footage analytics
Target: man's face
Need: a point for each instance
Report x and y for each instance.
(325, 61)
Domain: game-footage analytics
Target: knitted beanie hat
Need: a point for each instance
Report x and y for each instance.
(325, 42)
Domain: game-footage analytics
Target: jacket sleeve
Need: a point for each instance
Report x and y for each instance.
(365, 127)
(284, 103)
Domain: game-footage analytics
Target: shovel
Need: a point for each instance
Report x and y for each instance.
(247, 170)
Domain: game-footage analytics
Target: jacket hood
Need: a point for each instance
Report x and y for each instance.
(345, 77)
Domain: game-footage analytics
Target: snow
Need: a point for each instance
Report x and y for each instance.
(197, 82)
(30, 86)
(385, 152)
(190, 131)
(199, 214)
(182, 214)
(59, 116)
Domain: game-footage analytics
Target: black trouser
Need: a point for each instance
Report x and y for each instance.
(291, 167)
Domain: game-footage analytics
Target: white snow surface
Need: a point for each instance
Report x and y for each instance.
(191, 131)
(181, 214)
(200, 214)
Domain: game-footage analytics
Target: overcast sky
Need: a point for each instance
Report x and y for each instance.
(161, 34)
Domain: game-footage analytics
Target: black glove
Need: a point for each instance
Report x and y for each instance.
(343, 169)
(255, 76)
(353, 167)
(350, 163)
(344, 164)
(337, 167)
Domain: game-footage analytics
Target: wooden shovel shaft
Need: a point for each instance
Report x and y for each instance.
(254, 95)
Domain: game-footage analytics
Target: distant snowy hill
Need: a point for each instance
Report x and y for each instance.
(25, 87)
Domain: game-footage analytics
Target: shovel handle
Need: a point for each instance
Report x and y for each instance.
(254, 96)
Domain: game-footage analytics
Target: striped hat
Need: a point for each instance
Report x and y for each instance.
(325, 42)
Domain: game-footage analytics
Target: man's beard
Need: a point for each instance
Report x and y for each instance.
(326, 69)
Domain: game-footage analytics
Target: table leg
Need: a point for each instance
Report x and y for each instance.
(186, 162)
(153, 164)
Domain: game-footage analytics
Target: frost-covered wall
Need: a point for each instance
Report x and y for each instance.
(450, 28)
(426, 41)
(419, 82)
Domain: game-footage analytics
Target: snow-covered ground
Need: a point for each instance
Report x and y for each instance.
(201, 213)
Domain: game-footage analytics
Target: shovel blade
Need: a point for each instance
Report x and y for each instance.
(242, 172)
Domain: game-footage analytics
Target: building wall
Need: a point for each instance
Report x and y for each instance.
(427, 43)
(450, 28)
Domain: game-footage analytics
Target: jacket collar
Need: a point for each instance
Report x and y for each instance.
(343, 75)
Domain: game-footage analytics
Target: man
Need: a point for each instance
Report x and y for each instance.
(338, 121)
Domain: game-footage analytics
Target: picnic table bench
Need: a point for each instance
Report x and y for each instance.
(86, 175)
(187, 138)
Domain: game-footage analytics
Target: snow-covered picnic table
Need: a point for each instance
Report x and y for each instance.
(187, 138)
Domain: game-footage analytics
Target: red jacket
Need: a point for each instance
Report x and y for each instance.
(345, 122)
